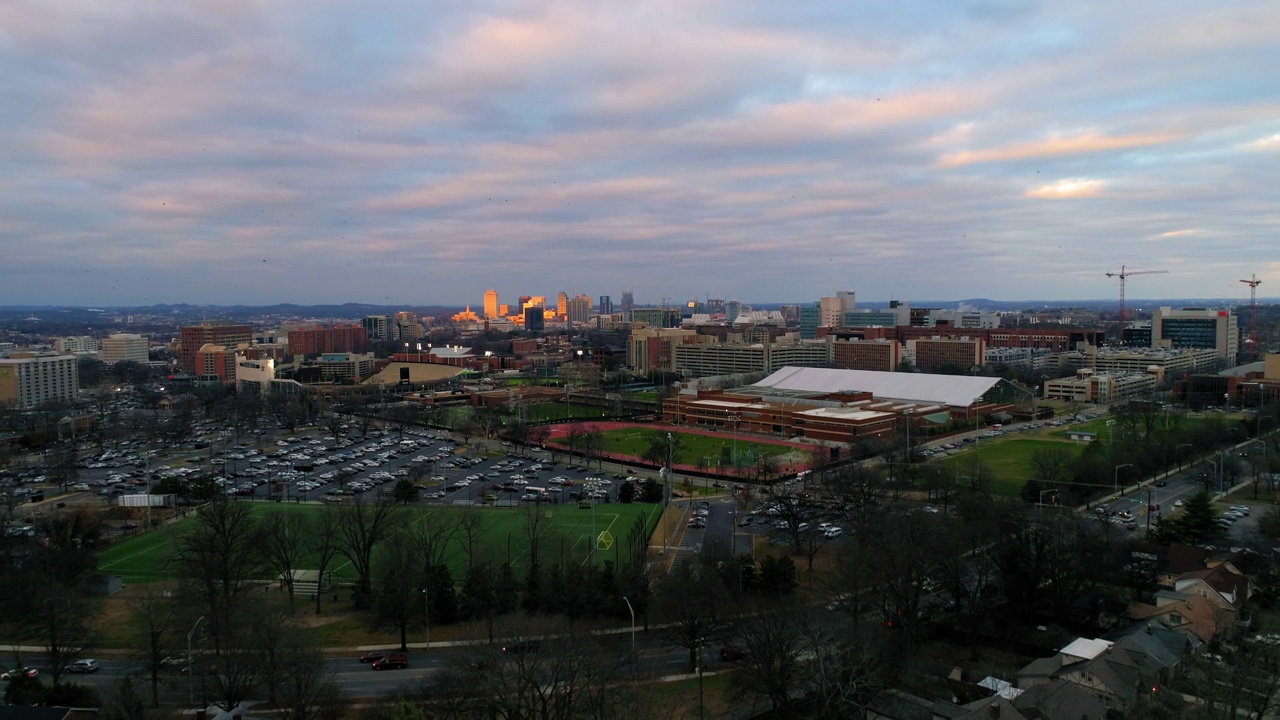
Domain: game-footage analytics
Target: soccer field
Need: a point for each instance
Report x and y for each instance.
(565, 537)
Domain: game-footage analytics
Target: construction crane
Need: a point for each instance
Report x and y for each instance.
(1123, 275)
(1253, 282)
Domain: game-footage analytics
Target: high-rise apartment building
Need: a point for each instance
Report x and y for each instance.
(124, 347)
(194, 337)
(939, 354)
(491, 304)
(28, 381)
(77, 344)
(627, 304)
(562, 304)
(341, 338)
(377, 327)
(578, 309)
(879, 355)
(732, 310)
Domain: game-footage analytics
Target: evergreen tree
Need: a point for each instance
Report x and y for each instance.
(1197, 524)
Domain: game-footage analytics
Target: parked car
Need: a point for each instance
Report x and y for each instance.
(391, 660)
(86, 665)
(19, 671)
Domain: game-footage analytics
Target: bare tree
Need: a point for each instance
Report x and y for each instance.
(333, 423)
(307, 689)
(282, 548)
(232, 677)
(218, 559)
(538, 435)
(469, 525)
(157, 631)
(399, 603)
(361, 525)
(325, 545)
(692, 601)
(771, 667)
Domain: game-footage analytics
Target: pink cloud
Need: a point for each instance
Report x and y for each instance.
(1054, 146)
(1064, 189)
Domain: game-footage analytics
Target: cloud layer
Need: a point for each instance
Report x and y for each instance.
(231, 151)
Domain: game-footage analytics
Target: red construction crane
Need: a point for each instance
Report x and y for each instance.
(1253, 282)
(1123, 274)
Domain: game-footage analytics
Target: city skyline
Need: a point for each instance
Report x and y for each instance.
(418, 154)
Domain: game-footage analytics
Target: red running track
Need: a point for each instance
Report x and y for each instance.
(561, 430)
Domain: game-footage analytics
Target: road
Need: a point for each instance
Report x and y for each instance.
(656, 656)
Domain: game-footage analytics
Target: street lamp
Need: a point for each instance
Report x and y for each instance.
(191, 671)
(1115, 479)
(633, 624)
(733, 460)
(1178, 456)
(426, 606)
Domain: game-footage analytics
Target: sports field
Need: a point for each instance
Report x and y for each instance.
(633, 441)
(1009, 461)
(566, 533)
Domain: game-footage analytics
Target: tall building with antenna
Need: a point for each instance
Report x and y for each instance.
(627, 304)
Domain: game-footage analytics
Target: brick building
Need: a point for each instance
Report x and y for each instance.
(195, 337)
(336, 339)
(882, 355)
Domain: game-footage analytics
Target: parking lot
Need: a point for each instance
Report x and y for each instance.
(307, 467)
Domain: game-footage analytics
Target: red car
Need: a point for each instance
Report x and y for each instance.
(391, 660)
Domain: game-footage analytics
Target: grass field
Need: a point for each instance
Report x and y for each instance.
(567, 533)
(633, 441)
(1009, 461)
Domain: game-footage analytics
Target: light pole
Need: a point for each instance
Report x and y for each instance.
(702, 706)
(1178, 455)
(733, 460)
(633, 623)
(1040, 504)
(426, 607)
(191, 671)
(1115, 478)
(1216, 462)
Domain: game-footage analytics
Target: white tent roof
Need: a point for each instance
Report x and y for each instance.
(951, 390)
(1086, 649)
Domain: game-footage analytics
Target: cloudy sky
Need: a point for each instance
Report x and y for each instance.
(420, 152)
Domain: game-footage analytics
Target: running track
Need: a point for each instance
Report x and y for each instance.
(561, 430)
